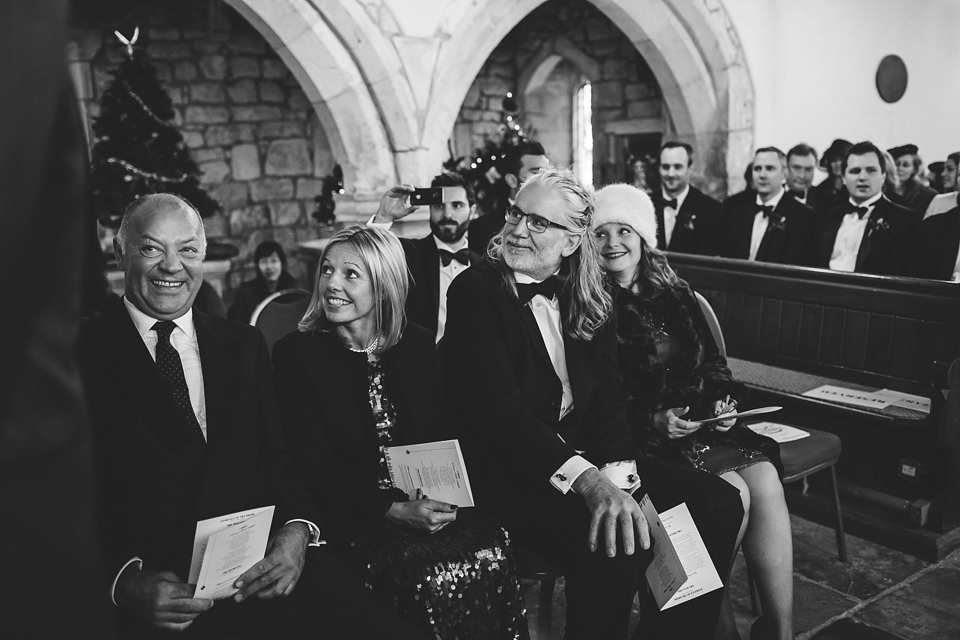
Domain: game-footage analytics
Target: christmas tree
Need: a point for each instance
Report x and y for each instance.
(138, 149)
(483, 168)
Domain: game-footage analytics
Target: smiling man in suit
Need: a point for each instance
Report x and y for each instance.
(434, 260)
(186, 428)
(774, 227)
(868, 233)
(688, 220)
(531, 376)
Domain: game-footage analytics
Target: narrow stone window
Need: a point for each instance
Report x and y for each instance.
(583, 134)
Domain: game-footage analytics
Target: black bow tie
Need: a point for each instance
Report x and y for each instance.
(673, 204)
(766, 210)
(462, 256)
(549, 288)
(860, 211)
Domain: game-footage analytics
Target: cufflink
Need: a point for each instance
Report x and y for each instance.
(560, 477)
(631, 478)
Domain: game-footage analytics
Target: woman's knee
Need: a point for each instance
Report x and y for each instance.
(764, 483)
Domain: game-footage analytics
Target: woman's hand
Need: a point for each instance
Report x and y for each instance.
(721, 407)
(669, 422)
(422, 513)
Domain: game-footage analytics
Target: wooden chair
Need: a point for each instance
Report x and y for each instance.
(801, 458)
(279, 314)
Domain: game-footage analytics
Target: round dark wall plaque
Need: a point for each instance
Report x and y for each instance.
(892, 78)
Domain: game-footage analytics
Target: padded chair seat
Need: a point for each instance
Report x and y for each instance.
(809, 455)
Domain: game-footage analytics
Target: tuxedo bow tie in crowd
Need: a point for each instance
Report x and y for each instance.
(671, 204)
(766, 210)
(549, 288)
(462, 256)
(860, 211)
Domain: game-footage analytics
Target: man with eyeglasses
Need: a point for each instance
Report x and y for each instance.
(434, 260)
(535, 395)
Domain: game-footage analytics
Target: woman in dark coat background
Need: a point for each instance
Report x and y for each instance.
(272, 276)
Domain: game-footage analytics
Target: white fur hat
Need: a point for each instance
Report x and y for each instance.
(625, 204)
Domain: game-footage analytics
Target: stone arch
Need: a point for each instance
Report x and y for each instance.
(366, 116)
(690, 45)
(538, 69)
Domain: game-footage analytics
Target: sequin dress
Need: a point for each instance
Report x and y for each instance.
(459, 583)
(669, 359)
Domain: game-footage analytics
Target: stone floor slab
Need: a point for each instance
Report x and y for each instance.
(926, 609)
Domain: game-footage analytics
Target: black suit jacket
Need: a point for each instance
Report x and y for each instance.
(325, 403)
(887, 242)
(153, 487)
(423, 261)
(504, 395)
(820, 200)
(789, 237)
(699, 227)
(939, 240)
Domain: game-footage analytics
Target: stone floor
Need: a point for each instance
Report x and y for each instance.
(877, 594)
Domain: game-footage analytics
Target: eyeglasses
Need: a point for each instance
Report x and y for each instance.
(535, 223)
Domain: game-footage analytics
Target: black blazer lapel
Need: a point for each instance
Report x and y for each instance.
(533, 330)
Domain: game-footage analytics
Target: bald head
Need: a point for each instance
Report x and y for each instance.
(160, 248)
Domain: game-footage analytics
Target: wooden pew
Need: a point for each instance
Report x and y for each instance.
(791, 329)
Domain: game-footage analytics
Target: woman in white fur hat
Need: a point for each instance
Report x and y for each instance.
(673, 375)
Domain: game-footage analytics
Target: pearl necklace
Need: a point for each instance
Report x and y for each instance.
(370, 349)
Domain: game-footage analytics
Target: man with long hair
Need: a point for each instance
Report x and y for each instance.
(534, 391)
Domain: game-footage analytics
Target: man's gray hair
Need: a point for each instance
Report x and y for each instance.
(142, 200)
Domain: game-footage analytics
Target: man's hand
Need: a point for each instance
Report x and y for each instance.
(611, 508)
(393, 204)
(277, 574)
(159, 597)
(422, 514)
(668, 421)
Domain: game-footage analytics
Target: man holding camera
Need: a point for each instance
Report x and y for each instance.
(434, 260)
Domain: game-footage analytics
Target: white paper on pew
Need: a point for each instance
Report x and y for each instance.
(206, 528)
(779, 432)
(665, 573)
(843, 395)
(230, 552)
(702, 576)
(905, 400)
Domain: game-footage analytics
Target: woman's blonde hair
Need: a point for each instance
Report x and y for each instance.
(590, 305)
(382, 256)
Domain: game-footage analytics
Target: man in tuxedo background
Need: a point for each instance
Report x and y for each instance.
(868, 233)
(520, 161)
(801, 164)
(688, 221)
(434, 260)
(774, 227)
(531, 374)
(187, 428)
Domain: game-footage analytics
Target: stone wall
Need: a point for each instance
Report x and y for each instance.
(247, 123)
(624, 88)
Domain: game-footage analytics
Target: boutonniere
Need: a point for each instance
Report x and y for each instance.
(689, 223)
(877, 224)
(777, 224)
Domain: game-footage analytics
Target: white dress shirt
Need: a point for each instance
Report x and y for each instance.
(184, 340)
(761, 222)
(850, 236)
(547, 314)
(447, 274)
(670, 214)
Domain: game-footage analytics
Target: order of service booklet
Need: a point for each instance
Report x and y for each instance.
(436, 468)
(681, 568)
(225, 547)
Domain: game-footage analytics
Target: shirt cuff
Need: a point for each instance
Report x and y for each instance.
(623, 474)
(315, 540)
(113, 586)
(378, 225)
(567, 474)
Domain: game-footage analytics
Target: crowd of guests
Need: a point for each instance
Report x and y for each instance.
(554, 341)
(873, 213)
